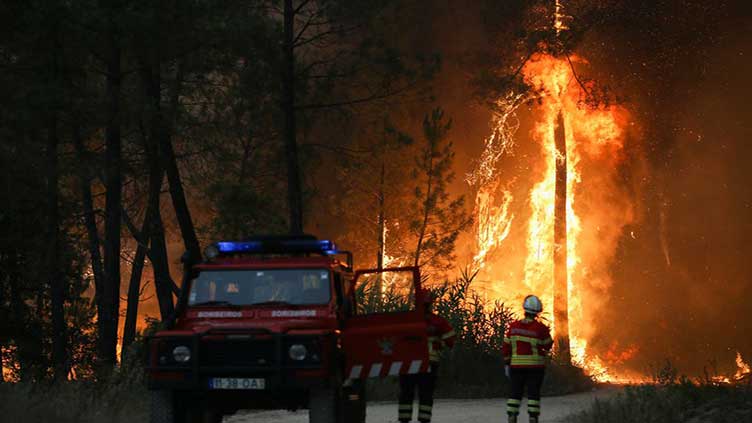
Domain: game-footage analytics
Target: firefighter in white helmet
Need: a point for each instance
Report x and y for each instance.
(526, 344)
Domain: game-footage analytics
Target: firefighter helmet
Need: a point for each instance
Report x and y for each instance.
(532, 305)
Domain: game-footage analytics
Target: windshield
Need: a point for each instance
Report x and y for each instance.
(256, 287)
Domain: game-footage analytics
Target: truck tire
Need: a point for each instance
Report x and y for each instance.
(354, 403)
(203, 414)
(324, 406)
(162, 407)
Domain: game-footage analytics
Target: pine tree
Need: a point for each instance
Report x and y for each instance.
(438, 217)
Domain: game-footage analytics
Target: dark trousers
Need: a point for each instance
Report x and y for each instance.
(530, 378)
(425, 383)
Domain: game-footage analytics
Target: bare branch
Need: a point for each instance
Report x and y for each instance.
(353, 102)
(577, 78)
(300, 7)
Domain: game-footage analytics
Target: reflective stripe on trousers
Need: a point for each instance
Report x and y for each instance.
(424, 413)
(425, 384)
(533, 407)
(525, 379)
(513, 406)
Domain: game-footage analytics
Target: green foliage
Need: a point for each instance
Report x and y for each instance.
(392, 297)
(438, 217)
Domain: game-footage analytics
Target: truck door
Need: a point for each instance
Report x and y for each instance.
(387, 334)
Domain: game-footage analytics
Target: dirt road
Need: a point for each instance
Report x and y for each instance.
(450, 411)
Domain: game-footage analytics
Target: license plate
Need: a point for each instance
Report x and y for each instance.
(237, 383)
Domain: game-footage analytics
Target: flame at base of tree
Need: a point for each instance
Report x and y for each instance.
(597, 208)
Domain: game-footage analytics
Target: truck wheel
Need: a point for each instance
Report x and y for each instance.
(324, 406)
(203, 414)
(162, 408)
(354, 403)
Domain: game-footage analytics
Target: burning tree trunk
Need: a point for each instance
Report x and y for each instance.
(561, 295)
(381, 229)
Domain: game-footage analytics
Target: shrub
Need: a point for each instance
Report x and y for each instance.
(120, 398)
(681, 401)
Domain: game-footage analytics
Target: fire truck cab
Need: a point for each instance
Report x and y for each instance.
(274, 323)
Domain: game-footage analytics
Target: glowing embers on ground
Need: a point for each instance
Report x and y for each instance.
(9, 363)
(742, 374)
(743, 370)
(597, 209)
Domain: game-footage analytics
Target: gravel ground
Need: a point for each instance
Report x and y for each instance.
(450, 411)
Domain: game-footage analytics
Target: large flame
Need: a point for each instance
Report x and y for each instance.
(597, 208)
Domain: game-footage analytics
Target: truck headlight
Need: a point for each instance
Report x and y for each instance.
(298, 352)
(181, 354)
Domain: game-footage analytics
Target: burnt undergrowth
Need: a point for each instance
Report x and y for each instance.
(119, 397)
(670, 398)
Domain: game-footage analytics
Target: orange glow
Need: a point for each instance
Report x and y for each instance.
(743, 370)
(7, 362)
(597, 209)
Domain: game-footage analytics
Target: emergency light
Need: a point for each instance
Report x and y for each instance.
(276, 245)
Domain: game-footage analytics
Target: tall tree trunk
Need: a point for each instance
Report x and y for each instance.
(109, 312)
(382, 230)
(169, 161)
(427, 206)
(134, 291)
(90, 219)
(561, 295)
(160, 136)
(2, 364)
(5, 336)
(20, 322)
(54, 275)
(294, 190)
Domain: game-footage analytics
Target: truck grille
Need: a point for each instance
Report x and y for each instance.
(255, 353)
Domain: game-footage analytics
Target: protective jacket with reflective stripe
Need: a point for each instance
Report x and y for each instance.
(440, 335)
(526, 344)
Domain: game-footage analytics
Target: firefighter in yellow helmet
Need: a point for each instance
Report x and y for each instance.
(526, 344)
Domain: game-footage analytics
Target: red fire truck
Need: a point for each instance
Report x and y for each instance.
(274, 323)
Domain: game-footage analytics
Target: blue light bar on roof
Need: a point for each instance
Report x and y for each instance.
(276, 246)
(230, 247)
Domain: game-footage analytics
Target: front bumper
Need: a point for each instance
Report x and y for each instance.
(256, 355)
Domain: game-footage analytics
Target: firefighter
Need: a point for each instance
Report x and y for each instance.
(526, 344)
(440, 336)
